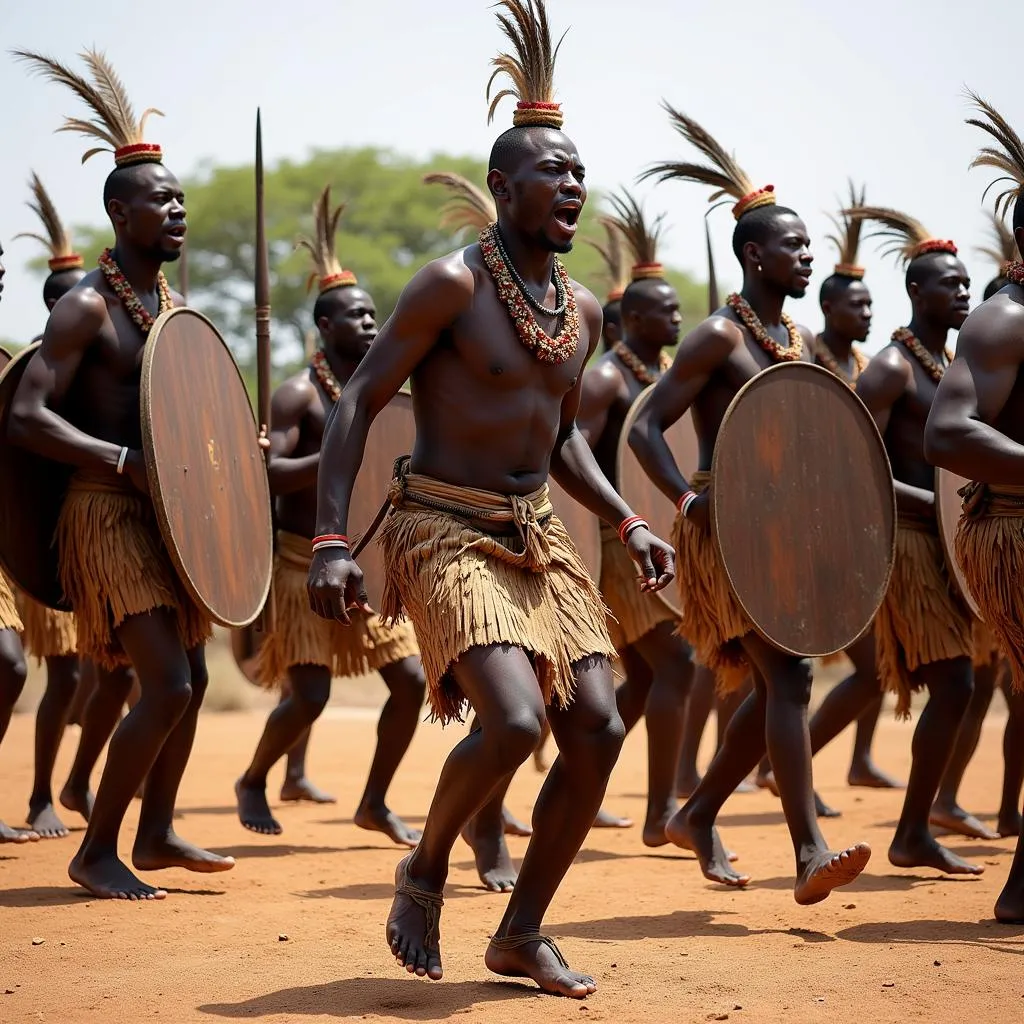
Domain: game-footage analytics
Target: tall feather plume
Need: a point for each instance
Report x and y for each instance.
(1009, 158)
(1003, 248)
(531, 67)
(113, 122)
(327, 270)
(57, 240)
(468, 207)
(642, 236)
(847, 235)
(613, 254)
(722, 173)
(904, 236)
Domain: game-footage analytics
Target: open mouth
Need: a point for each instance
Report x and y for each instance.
(568, 215)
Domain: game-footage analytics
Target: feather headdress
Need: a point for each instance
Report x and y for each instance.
(327, 271)
(713, 302)
(531, 68)
(642, 236)
(847, 237)
(613, 254)
(1003, 250)
(905, 237)
(468, 207)
(1009, 158)
(114, 121)
(57, 239)
(723, 174)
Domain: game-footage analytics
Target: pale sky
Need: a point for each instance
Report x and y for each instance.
(806, 92)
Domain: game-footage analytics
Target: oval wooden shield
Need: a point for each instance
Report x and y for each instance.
(640, 492)
(948, 505)
(207, 475)
(582, 526)
(803, 509)
(32, 491)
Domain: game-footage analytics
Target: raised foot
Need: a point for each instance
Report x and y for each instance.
(829, 871)
(17, 835)
(1009, 824)
(254, 811)
(302, 789)
(822, 809)
(605, 819)
(654, 828)
(766, 780)
(493, 861)
(869, 776)
(413, 928)
(171, 851)
(1010, 905)
(78, 800)
(536, 956)
(927, 853)
(955, 819)
(43, 820)
(380, 819)
(109, 879)
(704, 841)
(513, 826)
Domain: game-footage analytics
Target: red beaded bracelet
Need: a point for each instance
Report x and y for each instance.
(626, 524)
(338, 537)
(682, 499)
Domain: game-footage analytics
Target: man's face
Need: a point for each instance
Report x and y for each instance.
(942, 295)
(848, 313)
(657, 320)
(785, 256)
(152, 216)
(351, 325)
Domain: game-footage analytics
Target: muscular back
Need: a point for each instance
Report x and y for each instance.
(609, 390)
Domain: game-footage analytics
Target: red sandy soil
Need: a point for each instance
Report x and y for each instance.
(663, 943)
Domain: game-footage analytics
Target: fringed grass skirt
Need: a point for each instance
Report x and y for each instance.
(48, 632)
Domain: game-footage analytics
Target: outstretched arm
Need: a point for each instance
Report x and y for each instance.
(959, 436)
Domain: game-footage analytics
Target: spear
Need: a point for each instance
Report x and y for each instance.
(262, 329)
(183, 273)
(713, 302)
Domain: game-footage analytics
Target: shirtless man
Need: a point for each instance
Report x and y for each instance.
(495, 338)
(922, 630)
(643, 625)
(304, 649)
(78, 403)
(975, 428)
(712, 363)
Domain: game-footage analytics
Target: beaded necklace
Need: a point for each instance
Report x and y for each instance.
(637, 366)
(824, 355)
(906, 337)
(560, 291)
(325, 375)
(554, 350)
(1015, 272)
(121, 287)
(752, 322)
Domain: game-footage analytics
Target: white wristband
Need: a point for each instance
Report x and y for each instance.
(320, 545)
(120, 460)
(635, 526)
(686, 504)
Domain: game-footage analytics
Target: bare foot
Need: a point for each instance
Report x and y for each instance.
(1008, 824)
(704, 841)
(685, 786)
(254, 811)
(413, 928)
(513, 826)
(868, 776)
(303, 789)
(539, 958)
(926, 853)
(822, 809)
(171, 851)
(746, 786)
(77, 800)
(380, 819)
(767, 781)
(829, 871)
(605, 819)
(654, 827)
(493, 861)
(44, 821)
(17, 835)
(109, 879)
(956, 819)
(1010, 905)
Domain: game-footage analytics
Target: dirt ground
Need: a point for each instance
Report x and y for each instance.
(663, 943)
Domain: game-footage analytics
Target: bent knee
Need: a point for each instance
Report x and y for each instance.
(311, 697)
(516, 738)
(796, 683)
(13, 673)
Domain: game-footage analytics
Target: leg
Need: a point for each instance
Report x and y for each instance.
(671, 665)
(84, 690)
(863, 771)
(1009, 823)
(1010, 904)
(296, 785)
(501, 685)
(109, 691)
(949, 686)
(589, 734)
(946, 811)
(51, 719)
(13, 672)
(698, 710)
(151, 642)
(310, 687)
(395, 729)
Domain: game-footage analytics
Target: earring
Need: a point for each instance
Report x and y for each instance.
(759, 268)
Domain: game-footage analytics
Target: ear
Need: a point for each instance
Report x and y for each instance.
(751, 254)
(826, 307)
(116, 212)
(497, 182)
(323, 325)
(612, 332)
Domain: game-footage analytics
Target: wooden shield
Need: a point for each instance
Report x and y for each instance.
(803, 509)
(948, 505)
(640, 492)
(32, 491)
(207, 476)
